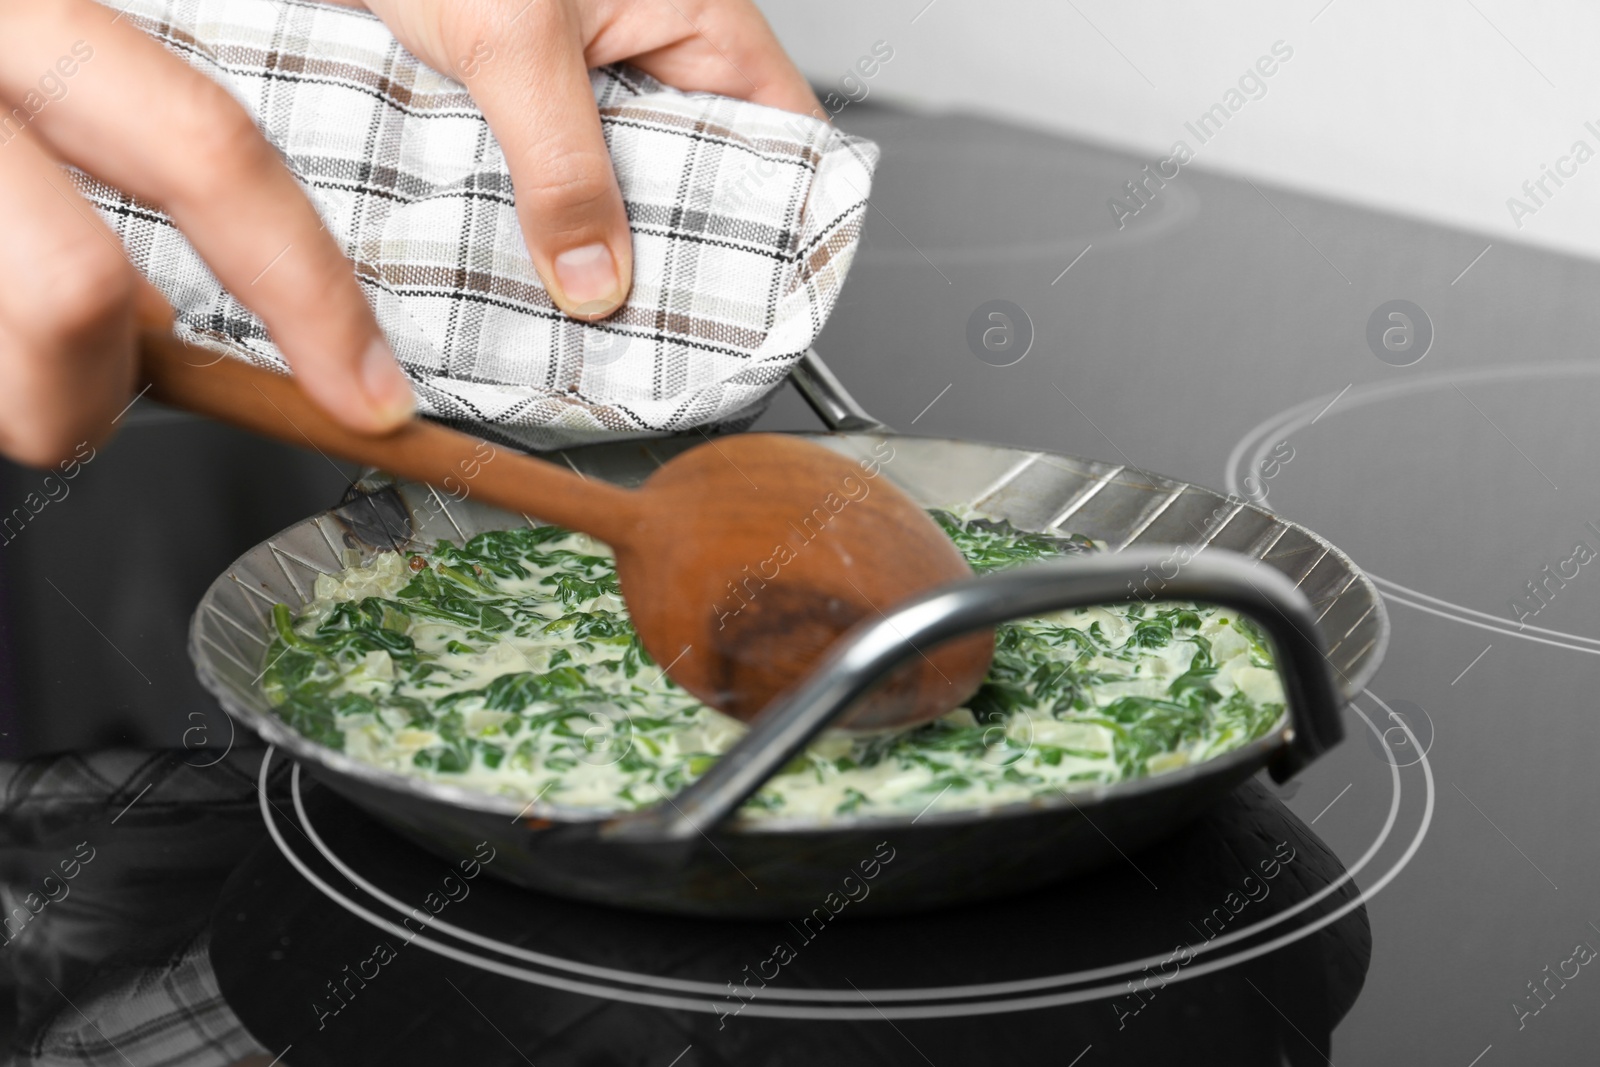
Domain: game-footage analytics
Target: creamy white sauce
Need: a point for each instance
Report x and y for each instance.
(625, 739)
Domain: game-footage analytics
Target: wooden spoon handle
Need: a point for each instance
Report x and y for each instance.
(251, 398)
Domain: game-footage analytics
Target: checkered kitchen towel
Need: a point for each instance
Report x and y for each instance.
(744, 220)
(110, 864)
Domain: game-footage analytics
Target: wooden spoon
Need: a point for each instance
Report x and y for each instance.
(741, 559)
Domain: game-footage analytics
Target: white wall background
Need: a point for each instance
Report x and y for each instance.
(1434, 108)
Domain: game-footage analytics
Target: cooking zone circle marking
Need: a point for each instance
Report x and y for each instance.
(880, 1002)
(1259, 441)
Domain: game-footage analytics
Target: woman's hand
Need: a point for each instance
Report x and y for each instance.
(526, 64)
(79, 85)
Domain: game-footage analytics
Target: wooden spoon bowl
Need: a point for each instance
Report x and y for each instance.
(741, 560)
(751, 554)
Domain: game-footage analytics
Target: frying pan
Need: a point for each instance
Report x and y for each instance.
(692, 853)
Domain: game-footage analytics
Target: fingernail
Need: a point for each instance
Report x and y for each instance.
(386, 386)
(588, 279)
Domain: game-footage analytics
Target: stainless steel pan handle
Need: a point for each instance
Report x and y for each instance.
(828, 397)
(865, 656)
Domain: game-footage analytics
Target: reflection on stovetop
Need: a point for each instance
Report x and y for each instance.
(401, 958)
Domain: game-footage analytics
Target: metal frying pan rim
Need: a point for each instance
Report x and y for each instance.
(1255, 752)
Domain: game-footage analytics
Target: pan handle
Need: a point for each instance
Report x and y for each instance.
(863, 657)
(828, 397)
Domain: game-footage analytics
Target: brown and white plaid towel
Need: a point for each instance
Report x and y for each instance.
(110, 864)
(167, 1014)
(744, 221)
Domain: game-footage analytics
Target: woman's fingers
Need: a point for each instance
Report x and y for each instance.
(145, 122)
(150, 309)
(722, 46)
(67, 299)
(533, 86)
(526, 63)
(80, 84)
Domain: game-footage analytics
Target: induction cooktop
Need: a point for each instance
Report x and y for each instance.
(1244, 935)
(1418, 395)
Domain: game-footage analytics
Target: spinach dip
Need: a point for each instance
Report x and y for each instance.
(509, 665)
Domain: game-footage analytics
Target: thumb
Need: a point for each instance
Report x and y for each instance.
(535, 93)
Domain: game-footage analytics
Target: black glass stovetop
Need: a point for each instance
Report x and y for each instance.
(1231, 334)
